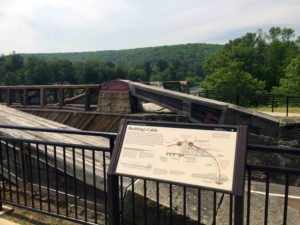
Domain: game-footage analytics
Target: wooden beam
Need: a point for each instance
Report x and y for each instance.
(8, 97)
(211, 111)
(42, 97)
(25, 97)
(87, 99)
(61, 97)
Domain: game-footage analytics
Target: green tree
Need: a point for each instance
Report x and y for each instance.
(136, 74)
(290, 84)
(265, 57)
(281, 50)
(233, 78)
(148, 70)
(2, 68)
(248, 50)
(161, 65)
(36, 71)
(62, 71)
(194, 81)
(79, 72)
(274, 33)
(14, 78)
(14, 62)
(93, 71)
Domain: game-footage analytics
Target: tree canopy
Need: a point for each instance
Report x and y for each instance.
(256, 62)
(233, 78)
(290, 83)
(264, 57)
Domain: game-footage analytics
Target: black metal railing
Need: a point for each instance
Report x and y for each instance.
(69, 181)
(267, 187)
(153, 202)
(280, 178)
(63, 180)
(252, 99)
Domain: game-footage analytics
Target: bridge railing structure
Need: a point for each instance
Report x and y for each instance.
(269, 194)
(63, 180)
(69, 181)
(59, 96)
(82, 96)
(253, 100)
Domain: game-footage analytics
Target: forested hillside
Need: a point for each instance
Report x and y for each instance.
(190, 53)
(262, 62)
(178, 62)
(257, 62)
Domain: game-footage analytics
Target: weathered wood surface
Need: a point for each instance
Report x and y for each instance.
(95, 121)
(10, 116)
(204, 110)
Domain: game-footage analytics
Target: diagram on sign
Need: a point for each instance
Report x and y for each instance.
(190, 156)
(188, 150)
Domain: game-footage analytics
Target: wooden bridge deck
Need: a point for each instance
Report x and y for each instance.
(10, 116)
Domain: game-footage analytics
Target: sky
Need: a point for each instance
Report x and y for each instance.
(49, 26)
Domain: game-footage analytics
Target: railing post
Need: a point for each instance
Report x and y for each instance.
(272, 103)
(8, 96)
(87, 99)
(42, 97)
(287, 105)
(55, 99)
(206, 93)
(238, 210)
(61, 97)
(237, 99)
(1, 178)
(113, 199)
(25, 97)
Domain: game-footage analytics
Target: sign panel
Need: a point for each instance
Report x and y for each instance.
(203, 156)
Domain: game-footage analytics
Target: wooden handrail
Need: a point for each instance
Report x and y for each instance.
(52, 86)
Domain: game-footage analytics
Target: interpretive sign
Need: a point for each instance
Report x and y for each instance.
(191, 154)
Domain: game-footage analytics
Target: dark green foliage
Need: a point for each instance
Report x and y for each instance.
(158, 63)
(62, 71)
(11, 69)
(290, 84)
(255, 62)
(37, 71)
(191, 53)
(260, 58)
(233, 79)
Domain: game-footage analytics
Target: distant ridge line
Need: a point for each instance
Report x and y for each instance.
(188, 52)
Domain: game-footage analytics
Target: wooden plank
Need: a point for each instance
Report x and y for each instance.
(178, 102)
(87, 121)
(52, 86)
(10, 116)
(8, 97)
(25, 97)
(61, 97)
(87, 99)
(42, 97)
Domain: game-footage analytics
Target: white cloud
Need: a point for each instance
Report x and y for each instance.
(79, 25)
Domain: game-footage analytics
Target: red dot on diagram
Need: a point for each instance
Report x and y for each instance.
(190, 143)
(179, 143)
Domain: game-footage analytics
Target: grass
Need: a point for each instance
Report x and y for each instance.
(27, 217)
(281, 109)
(288, 117)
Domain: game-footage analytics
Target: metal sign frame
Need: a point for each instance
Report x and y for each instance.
(238, 167)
